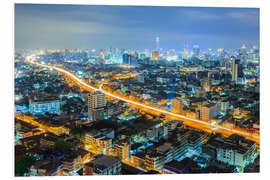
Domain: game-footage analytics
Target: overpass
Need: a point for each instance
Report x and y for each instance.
(196, 123)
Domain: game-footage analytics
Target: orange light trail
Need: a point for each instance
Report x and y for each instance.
(217, 128)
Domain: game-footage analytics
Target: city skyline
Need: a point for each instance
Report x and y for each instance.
(125, 90)
(71, 26)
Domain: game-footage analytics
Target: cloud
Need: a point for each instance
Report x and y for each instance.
(249, 17)
(200, 15)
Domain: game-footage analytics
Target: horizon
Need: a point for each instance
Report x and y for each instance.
(56, 26)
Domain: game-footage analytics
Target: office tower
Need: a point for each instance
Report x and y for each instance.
(155, 55)
(126, 58)
(96, 105)
(157, 43)
(235, 69)
(177, 105)
(196, 51)
(255, 54)
(243, 50)
(221, 52)
(243, 54)
(185, 53)
(102, 55)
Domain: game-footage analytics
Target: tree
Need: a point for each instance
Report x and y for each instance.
(22, 164)
(62, 146)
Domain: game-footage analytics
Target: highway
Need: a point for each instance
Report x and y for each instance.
(198, 124)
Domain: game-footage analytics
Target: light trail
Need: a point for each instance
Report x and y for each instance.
(147, 106)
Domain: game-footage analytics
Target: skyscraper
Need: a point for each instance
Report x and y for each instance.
(196, 51)
(126, 58)
(96, 105)
(243, 54)
(155, 55)
(185, 53)
(243, 50)
(157, 43)
(235, 69)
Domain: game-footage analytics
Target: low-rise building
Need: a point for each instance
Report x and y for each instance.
(103, 165)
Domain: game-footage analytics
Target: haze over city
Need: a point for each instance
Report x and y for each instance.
(80, 26)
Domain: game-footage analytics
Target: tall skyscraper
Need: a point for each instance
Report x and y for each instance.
(243, 50)
(96, 105)
(243, 54)
(235, 69)
(101, 57)
(126, 58)
(196, 51)
(157, 43)
(185, 53)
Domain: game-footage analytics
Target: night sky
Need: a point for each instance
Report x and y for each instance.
(87, 26)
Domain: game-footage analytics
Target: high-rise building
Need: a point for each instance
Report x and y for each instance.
(102, 57)
(185, 53)
(126, 58)
(157, 43)
(177, 105)
(155, 55)
(208, 112)
(243, 54)
(96, 105)
(235, 69)
(243, 50)
(196, 51)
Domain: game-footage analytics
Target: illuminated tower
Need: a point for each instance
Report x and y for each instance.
(235, 69)
(185, 53)
(102, 57)
(96, 104)
(196, 51)
(243, 50)
(126, 58)
(155, 55)
(157, 43)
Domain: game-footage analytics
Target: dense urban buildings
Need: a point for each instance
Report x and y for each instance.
(120, 110)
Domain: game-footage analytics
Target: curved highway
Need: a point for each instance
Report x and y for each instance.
(212, 127)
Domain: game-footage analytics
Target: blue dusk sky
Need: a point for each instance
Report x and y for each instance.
(89, 26)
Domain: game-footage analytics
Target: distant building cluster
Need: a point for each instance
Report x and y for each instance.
(154, 111)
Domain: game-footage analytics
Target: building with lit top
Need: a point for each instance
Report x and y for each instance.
(155, 55)
(235, 69)
(185, 53)
(208, 112)
(122, 149)
(177, 105)
(96, 105)
(157, 43)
